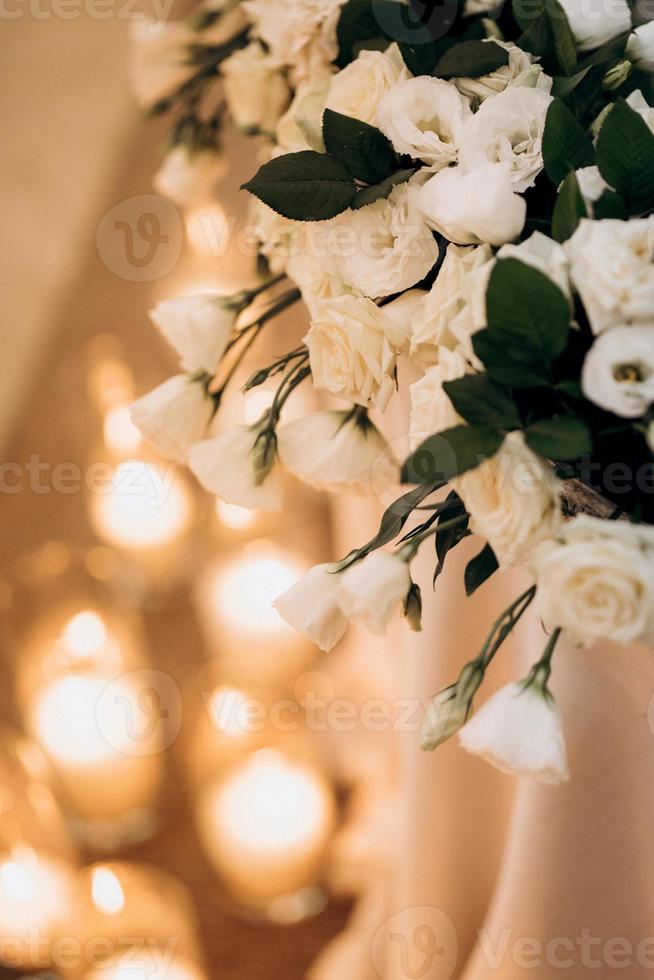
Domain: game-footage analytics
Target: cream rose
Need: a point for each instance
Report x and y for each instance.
(519, 71)
(174, 416)
(508, 129)
(299, 33)
(300, 128)
(358, 89)
(311, 607)
(596, 581)
(255, 89)
(232, 466)
(431, 409)
(386, 247)
(470, 208)
(512, 499)
(423, 118)
(611, 269)
(349, 350)
(188, 176)
(372, 591)
(594, 22)
(198, 327)
(640, 47)
(618, 372)
(455, 306)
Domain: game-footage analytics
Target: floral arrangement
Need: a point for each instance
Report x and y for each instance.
(465, 192)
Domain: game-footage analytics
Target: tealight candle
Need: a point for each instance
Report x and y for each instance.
(266, 825)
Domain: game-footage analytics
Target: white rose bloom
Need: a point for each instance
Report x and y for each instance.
(519, 730)
(401, 315)
(618, 372)
(311, 607)
(255, 89)
(350, 354)
(611, 269)
(596, 581)
(158, 56)
(640, 47)
(423, 118)
(227, 466)
(388, 245)
(373, 590)
(174, 416)
(470, 208)
(455, 306)
(508, 129)
(517, 71)
(335, 451)
(594, 22)
(278, 237)
(198, 327)
(299, 33)
(543, 254)
(189, 177)
(512, 499)
(300, 128)
(431, 409)
(358, 89)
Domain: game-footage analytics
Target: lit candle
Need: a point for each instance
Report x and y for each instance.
(266, 826)
(35, 895)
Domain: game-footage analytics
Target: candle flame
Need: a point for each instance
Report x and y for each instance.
(106, 891)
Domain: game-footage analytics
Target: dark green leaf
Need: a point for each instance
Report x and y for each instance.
(547, 34)
(450, 453)
(479, 569)
(610, 205)
(569, 209)
(566, 145)
(563, 438)
(449, 537)
(368, 195)
(363, 149)
(625, 156)
(362, 21)
(565, 85)
(563, 43)
(421, 59)
(480, 401)
(570, 388)
(510, 366)
(305, 186)
(528, 310)
(471, 58)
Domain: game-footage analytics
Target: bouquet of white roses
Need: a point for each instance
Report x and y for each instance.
(468, 187)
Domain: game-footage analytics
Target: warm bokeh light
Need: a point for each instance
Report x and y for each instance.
(146, 966)
(243, 590)
(206, 228)
(119, 432)
(35, 895)
(228, 712)
(233, 517)
(106, 891)
(85, 634)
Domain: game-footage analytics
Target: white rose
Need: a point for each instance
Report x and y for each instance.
(174, 416)
(594, 22)
(431, 409)
(315, 273)
(508, 129)
(640, 47)
(300, 128)
(358, 89)
(544, 254)
(591, 186)
(373, 590)
(158, 59)
(518, 730)
(596, 581)
(350, 354)
(230, 466)
(618, 372)
(299, 33)
(423, 118)
(278, 237)
(337, 450)
(470, 208)
(198, 327)
(188, 176)
(519, 69)
(611, 269)
(512, 499)
(401, 315)
(311, 607)
(255, 90)
(455, 306)
(387, 246)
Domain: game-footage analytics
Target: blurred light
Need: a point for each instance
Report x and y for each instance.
(85, 634)
(229, 715)
(119, 432)
(102, 563)
(147, 506)
(234, 517)
(243, 591)
(110, 383)
(206, 228)
(255, 404)
(17, 882)
(106, 891)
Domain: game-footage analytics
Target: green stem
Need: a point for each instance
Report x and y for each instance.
(504, 625)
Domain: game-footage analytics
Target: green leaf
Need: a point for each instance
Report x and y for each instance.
(508, 365)
(564, 86)
(363, 21)
(421, 59)
(563, 438)
(528, 310)
(625, 156)
(480, 568)
(547, 34)
(480, 401)
(566, 145)
(450, 453)
(610, 205)
(563, 43)
(569, 209)
(471, 58)
(368, 195)
(304, 186)
(363, 149)
(449, 537)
